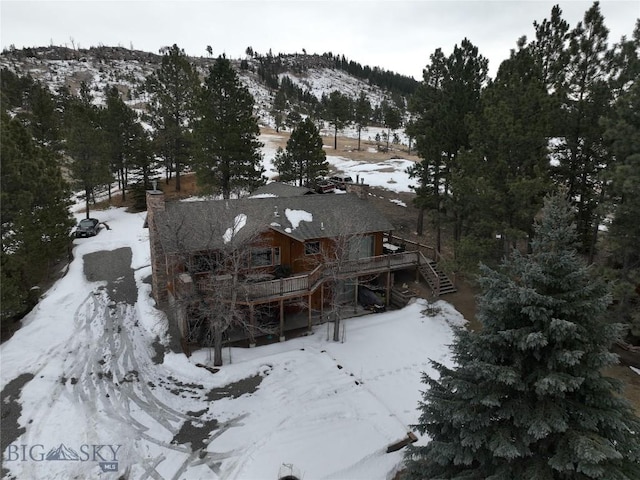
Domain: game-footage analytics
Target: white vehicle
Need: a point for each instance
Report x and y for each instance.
(341, 181)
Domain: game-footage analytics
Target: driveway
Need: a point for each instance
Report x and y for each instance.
(112, 407)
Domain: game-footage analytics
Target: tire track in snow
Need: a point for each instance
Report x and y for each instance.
(96, 379)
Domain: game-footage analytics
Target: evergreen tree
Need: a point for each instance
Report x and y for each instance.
(392, 119)
(34, 105)
(293, 119)
(142, 159)
(337, 111)
(304, 159)
(625, 62)
(86, 145)
(121, 126)
(173, 89)
(228, 156)
(279, 108)
(361, 114)
(34, 202)
(13, 88)
(450, 91)
(550, 48)
(283, 163)
(44, 118)
(509, 138)
(623, 238)
(428, 105)
(527, 397)
(581, 155)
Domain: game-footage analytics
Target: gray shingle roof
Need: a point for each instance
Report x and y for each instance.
(201, 225)
(280, 189)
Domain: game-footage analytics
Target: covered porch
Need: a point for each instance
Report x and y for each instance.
(294, 304)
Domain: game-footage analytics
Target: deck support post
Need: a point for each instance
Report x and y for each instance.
(355, 294)
(309, 310)
(281, 320)
(252, 326)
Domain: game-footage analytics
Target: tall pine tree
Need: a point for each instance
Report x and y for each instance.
(550, 50)
(121, 126)
(86, 144)
(450, 91)
(228, 156)
(304, 159)
(392, 119)
(588, 97)
(361, 114)
(338, 112)
(173, 89)
(623, 136)
(527, 397)
(508, 139)
(34, 202)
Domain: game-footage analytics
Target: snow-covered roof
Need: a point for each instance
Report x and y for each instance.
(205, 225)
(296, 216)
(239, 221)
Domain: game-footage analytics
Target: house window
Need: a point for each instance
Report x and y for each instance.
(265, 257)
(311, 248)
(201, 263)
(360, 247)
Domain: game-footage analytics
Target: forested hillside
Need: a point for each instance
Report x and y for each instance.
(109, 118)
(561, 111)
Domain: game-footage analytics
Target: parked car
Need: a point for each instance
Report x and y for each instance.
(322, 185)
(341, 181)
(89, 227)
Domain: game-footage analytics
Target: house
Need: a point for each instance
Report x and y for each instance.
(279, 189)
(280, 259)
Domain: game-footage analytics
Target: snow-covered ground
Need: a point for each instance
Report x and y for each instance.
(89, 389)
(330, 409)
(98, 392)
(390, 174)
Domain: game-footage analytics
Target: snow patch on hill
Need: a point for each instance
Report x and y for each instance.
(128, 75)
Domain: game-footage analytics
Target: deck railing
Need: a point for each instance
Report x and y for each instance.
(307, 282)
(432, 276)
(428, 250)
(282, 287)
(393, 261)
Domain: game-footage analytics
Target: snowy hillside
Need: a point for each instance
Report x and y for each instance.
(57, 67)
(325, 80)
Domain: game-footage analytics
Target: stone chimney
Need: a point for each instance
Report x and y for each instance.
(156, 204)
(360, 188)
(155, 201)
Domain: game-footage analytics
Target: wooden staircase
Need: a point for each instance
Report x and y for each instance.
(435, 277)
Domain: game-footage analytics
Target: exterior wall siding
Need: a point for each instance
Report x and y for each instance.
(159, 278)
(168, 285)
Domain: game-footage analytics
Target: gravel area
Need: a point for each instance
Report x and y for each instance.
(114, 267)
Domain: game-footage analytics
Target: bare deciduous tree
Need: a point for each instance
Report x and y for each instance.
(213, 254)
(339, 258)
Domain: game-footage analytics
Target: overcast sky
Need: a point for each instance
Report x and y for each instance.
(397, 35)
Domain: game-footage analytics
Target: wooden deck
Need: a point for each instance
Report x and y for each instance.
(307, 283)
